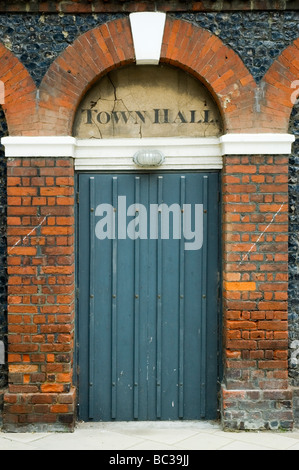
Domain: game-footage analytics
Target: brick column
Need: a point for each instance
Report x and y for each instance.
(255, 391)
(40, 294)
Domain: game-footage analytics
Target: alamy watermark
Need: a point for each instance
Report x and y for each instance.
(158, 221)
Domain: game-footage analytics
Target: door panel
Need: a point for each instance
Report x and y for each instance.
(148, 304)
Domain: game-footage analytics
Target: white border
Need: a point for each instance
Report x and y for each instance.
(147, 31)
(180, 153)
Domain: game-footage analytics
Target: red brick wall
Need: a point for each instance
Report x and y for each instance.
(40, 291)
(255, 264)
(255, 293)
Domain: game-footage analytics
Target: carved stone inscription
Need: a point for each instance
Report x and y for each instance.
(147, 101)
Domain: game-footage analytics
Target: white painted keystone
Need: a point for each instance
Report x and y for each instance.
(147, 31)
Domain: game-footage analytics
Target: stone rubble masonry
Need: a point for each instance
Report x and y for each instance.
(40, 293)
(296, 407)
(257, 409)
(258, 37)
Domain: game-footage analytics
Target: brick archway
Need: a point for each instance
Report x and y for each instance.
(184, 45)
(94, 53)
(205, 56)
(245, 107)
(19, 92)
(280, 89)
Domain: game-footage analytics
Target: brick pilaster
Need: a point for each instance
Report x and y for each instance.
(40, 294)
(255, 257)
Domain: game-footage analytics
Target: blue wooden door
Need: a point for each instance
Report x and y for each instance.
(148, 296)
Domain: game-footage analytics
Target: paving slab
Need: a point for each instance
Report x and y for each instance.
(159, 436)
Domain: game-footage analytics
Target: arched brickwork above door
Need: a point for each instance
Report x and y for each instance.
(93, 54)
(19, 92)
(279, 92)
(245, 107)
(204, 55)
(184, 45)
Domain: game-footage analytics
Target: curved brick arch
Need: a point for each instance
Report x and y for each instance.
(184, 45)
(280, 89)
(19, 93)
(109, 46)
(204, 55)
(94, 53)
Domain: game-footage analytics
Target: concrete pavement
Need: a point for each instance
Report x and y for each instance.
(159, 436)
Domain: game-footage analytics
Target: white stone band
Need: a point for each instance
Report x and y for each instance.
(180, 153)
(256, 144)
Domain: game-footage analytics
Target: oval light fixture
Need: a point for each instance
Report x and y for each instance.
(148, 157)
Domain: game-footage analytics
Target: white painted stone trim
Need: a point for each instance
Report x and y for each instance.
(46, 146)
(119, 153)
(180, 153)
(147, 31)
(109, 154)
(256, 144)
